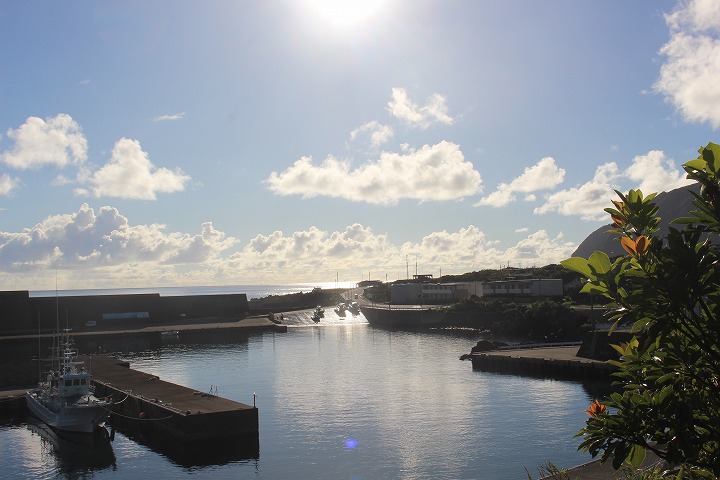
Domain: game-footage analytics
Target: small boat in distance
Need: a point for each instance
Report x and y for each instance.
(65, 400)
(354, 308)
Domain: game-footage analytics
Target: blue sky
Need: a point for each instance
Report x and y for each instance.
(255, 142)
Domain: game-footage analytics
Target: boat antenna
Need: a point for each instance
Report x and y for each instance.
(57, 304)
(38, 357)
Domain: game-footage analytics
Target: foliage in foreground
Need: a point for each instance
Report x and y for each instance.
(668, 290)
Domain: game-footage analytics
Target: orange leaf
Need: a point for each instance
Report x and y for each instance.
(642, 244)
(629, 245)
(596, 408)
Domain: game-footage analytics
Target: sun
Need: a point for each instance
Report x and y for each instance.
(345, 13)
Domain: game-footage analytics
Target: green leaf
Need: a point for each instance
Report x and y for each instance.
(579, 265)
(697, 164)
(599, 262)
(636, 456)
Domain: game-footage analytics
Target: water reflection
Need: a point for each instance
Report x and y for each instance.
(75, 452)
(197, 454)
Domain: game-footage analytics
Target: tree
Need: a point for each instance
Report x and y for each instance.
(668, 292)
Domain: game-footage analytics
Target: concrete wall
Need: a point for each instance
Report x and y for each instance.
(22, 314)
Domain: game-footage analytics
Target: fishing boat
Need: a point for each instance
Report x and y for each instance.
(408, 316)
(65, 400)
(354, 308)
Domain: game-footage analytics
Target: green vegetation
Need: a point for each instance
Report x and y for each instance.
(492, 275)
(668, 291)
(542, 321)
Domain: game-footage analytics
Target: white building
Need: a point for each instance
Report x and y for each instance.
(421, 293)
(548, 287)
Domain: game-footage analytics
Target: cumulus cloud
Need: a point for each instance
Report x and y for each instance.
(652, 172)
(130, 174)
(587, 200)
(656, 173)
(434, 111)
(166, 118)
(56, 141)
(101, 248)
(544, 175)
(309, 253)
(89, 239)
(437, 172)
(8, 184)
(378, 133)
(689, 77)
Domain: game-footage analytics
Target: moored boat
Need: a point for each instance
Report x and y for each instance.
(65, 400)
(411, 316)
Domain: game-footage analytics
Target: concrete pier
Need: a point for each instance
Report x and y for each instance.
(169, 411)
(553, 362)
(12, 403)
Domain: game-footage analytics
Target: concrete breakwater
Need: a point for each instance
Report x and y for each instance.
(25, 315)
(548, 361)
(170, 411)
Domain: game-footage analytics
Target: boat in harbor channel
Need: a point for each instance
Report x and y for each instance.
(65, 399)
(409, 316)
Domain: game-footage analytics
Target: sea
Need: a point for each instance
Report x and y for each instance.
(336, 400)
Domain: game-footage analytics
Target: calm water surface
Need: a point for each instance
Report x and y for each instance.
(341, 402)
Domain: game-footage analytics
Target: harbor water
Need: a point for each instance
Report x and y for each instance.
(336, 401)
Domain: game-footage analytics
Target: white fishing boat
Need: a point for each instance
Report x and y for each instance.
(65, 400)
(403, 316)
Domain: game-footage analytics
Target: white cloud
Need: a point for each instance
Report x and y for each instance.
(165, 118)
(656, 173)
(435, 111)
(689, 77)
(587, 200)
(544, 175)
(56, 141)
(432, 173)
(521, 230)
(8, 184)
(86, 240)
(314, 252)
(102, 249)
(130, 174)
(379, 134)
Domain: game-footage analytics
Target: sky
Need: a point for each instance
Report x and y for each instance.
(231, 142)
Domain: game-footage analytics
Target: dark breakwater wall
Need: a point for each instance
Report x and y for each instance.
(21, 314)
(542, 367)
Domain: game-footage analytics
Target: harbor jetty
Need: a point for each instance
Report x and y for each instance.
(155, 407)
(545, 360)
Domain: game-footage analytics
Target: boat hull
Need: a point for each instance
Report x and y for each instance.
(78, 417)
(391, 316)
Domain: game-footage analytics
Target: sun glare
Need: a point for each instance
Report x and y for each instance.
(344, 13)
